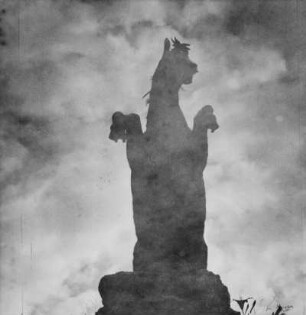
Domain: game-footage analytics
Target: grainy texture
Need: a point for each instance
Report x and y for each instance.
(66, 204)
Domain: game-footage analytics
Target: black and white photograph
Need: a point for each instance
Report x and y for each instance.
(152, 157)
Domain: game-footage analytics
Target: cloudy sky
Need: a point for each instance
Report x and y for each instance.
(66, 215)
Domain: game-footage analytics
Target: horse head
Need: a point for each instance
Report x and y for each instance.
(175, 68)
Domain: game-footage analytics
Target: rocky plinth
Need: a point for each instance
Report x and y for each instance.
(136, 293)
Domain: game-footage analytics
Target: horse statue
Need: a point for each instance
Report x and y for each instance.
(167, 163)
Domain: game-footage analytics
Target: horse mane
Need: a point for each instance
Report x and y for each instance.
(177, 45)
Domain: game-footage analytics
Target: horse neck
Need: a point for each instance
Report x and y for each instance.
(163, 98)
(164, 112)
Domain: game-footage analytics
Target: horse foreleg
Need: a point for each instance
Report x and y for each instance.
(133, 125)
(204, 120)
(124, 126)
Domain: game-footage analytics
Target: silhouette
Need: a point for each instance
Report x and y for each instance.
(245, 305)
(278, 310)
(169, 204)
(254, 303)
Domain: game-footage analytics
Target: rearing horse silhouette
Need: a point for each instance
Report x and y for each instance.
(167, 163)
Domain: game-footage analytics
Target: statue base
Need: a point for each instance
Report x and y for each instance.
(139, 293)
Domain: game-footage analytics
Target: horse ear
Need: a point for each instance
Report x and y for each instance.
(166, 45)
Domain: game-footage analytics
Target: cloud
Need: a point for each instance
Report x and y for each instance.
(66, 208)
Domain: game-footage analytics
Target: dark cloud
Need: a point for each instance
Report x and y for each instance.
(22, 135)
(277, 24)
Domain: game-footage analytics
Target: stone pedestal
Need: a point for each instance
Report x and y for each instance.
(135, 293)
